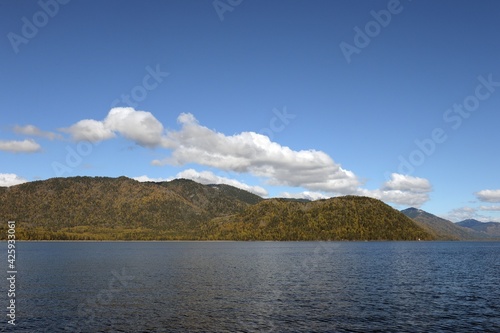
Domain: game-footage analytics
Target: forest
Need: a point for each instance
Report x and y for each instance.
(102, 208)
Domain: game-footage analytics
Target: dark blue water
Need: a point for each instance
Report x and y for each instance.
(256, 287)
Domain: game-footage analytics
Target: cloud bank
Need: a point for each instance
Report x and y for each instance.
(256, 154)
(247, 152)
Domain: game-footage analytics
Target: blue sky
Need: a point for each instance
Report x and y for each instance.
(398, 100)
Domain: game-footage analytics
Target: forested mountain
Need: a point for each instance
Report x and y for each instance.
(121, 208)
(442, 229)
(114, 208)
(341, 218)
(489, 229)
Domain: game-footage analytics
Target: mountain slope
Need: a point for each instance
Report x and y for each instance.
(215, 200)
(441, 228)
(237, 193)
(112, 208)
(489, 229)
(122, 208)
(341, 218)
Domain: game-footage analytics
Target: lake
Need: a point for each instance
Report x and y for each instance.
(255, 287)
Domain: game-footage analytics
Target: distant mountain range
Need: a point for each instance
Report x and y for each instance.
(489, 229)
(446, 230)
(102, 208)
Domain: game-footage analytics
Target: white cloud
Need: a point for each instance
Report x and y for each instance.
(248, 152)
(89, 130)
(489, 195)
(208, 177)
(256, 154)
(145, 178)
(304, 195)
(25, 146)
(402, 190)
(139, 126)
(35, 131)
(400, 182)
(10, 179)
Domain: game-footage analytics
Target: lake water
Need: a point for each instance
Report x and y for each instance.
(256, 287)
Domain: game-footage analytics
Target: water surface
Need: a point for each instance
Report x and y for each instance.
(257, 287)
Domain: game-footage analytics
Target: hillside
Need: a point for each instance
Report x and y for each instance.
(341, 218)
(442, 229)
(121, 208)
(489, 229)
(113, 208)
(214, 200)
(237, 193)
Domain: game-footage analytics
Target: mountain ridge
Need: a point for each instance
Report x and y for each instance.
(441, 228)
(489, 229)
(339, 218)
(105, 208)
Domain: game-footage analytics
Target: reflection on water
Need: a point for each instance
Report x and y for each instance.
(258, 287)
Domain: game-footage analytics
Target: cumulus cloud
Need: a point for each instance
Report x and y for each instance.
(89, 130)
(247, 152)
(254, 153)
(10, 179)
(25, 146)
(138, 126)
(402, 190)
(35, 131)
(208, 177)
(399, 182)
(489, 195)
